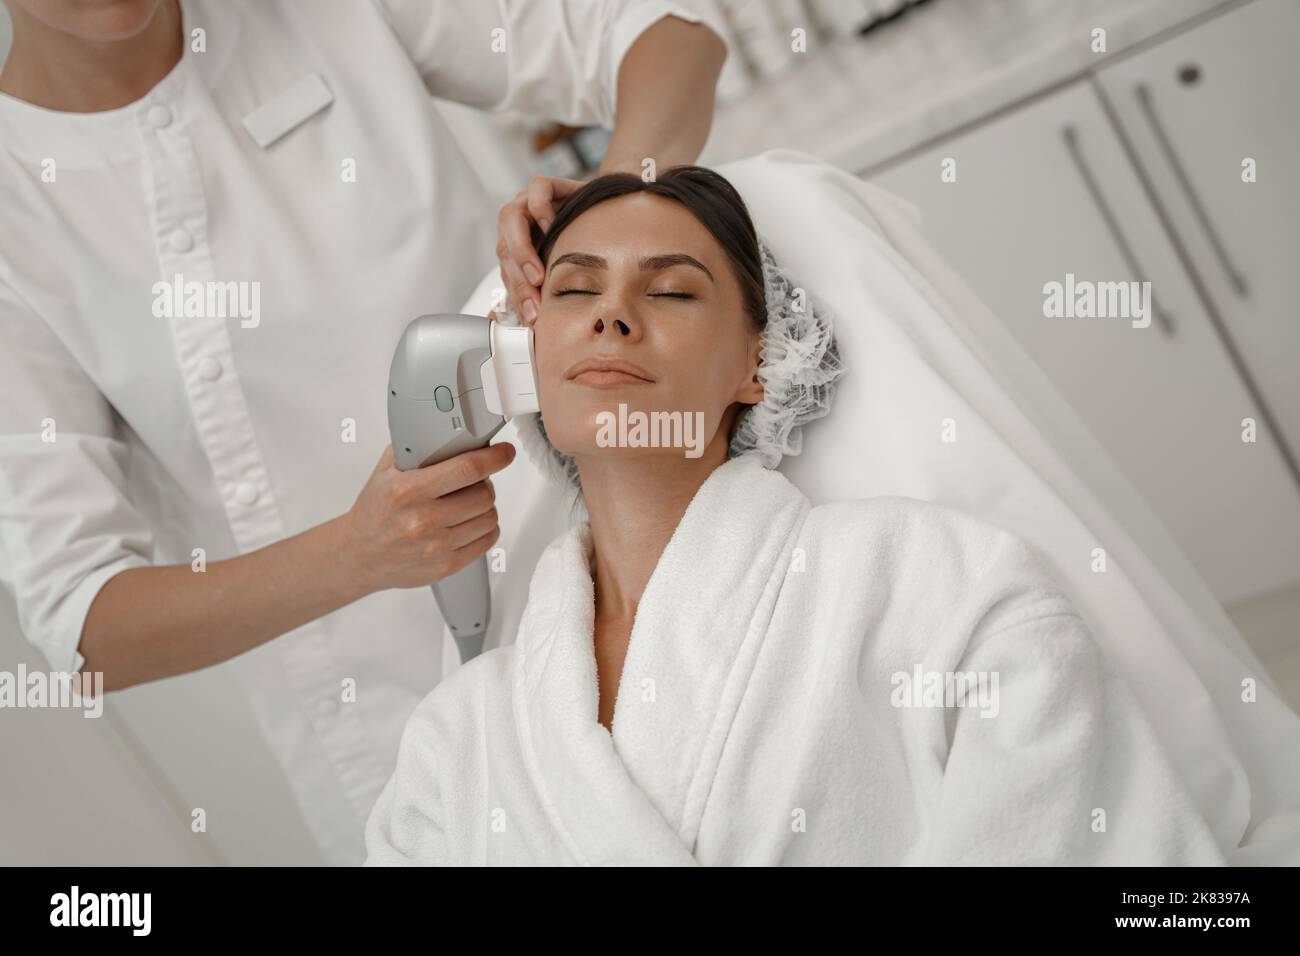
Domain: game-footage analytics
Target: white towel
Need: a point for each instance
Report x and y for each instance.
(762, 717)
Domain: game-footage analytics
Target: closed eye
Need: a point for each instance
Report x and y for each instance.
(653, 295)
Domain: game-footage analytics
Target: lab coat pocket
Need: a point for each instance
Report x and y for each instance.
(288, 109)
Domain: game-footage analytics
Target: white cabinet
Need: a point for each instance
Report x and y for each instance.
(1049, 191)
(1194, 109)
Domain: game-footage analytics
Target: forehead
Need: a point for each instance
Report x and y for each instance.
(636, 225)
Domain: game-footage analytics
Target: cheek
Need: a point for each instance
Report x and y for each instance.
(556, 346)
(552, 341)
(703, 375)
(707, 361)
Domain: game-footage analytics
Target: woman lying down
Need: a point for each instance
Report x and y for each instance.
(710, 670)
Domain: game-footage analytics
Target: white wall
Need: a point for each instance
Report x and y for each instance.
(75, 792)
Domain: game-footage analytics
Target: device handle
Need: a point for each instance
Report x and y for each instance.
(466, 606)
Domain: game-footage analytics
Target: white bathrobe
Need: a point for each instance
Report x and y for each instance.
(773, 708)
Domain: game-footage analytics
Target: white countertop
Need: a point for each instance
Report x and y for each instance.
(861, 101)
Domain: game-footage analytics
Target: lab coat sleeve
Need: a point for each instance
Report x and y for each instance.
(556, 60)
(1067, 770)
(66, 525)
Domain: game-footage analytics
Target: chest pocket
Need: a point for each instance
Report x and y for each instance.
(288, 109)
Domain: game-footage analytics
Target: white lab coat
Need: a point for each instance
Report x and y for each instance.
(129, 439)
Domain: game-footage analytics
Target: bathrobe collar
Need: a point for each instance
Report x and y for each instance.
(637, 796)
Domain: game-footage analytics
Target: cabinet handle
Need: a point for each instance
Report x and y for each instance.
(1071, 138)
(1144, 99)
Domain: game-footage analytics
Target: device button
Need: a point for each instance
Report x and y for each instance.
(442, 396)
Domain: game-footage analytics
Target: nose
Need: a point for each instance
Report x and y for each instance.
(601, 324)
(615, 317)
(616, 312)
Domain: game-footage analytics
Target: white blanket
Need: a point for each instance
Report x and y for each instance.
(771, 709)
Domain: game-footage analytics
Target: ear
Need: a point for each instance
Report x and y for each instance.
(751, 392)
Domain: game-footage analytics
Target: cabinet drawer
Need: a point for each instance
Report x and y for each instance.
(1194, 109)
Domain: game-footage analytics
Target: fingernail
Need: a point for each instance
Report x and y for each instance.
(545, 224)
(530, 310)
(530, 270)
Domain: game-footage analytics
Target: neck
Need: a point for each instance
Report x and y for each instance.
(635, 505)
(57, 70)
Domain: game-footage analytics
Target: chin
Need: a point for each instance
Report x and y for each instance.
(106, 20)
(602, 431)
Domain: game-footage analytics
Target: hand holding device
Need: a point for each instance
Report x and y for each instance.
(454, 381)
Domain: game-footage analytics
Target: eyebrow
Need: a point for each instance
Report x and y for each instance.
(647, 263)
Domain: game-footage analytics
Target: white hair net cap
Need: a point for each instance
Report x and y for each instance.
(799, 365)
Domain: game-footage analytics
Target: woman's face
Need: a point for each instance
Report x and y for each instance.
(91, 19)
(640, 279)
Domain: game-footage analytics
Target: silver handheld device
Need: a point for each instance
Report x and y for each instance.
(454, 382)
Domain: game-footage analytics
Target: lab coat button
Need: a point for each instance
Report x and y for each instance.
(209, 369)
(181, 241)
(159, 116)
(245, 494)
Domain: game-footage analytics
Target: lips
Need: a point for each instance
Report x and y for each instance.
(608, 371)
(606, 378)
